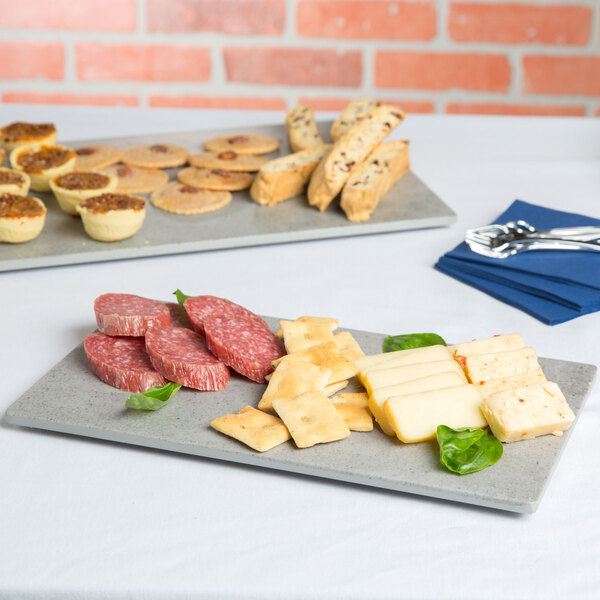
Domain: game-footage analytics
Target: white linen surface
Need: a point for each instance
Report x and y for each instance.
(82, 518)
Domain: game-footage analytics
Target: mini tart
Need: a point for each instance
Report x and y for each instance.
(20, 134)
(72, 188)
(42, 163)
(14, 182)
(229, 161)
(156, 156)
(22, 218)
(215, 179)
(97, 156)
(112, 217)
(183, 199)
(248, 143)
(134, 180)
(2, 155)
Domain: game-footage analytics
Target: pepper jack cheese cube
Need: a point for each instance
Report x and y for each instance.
(415, 417)
(497, 365)
(414, 386)
(497, 343)
(487, 388)
(527, 412)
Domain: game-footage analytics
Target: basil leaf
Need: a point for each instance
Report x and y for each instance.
(467, 450)
(181, 297)
(411, 340)
(153, 398)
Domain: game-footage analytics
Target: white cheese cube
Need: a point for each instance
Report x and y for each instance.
(497, 343)
(415, 417)
(526, 412)
(498, 365)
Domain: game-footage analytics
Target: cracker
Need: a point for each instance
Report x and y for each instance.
(300, 335)
(135, 180)
(254, 428)
(311, 419)
(230, 161)
(245, 143)
(348, 345)
(330, 320)
(183, 199)
(215, 179)
(155, 156)
(334, 388)
(96, 156)
(353, 408)
(292, 378)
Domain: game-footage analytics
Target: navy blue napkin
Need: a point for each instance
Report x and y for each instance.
(554, 286)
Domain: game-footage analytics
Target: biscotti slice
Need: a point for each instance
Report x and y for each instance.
(350, 150)
(370, 181)
(302, 129)
(286, 177)
(355, 112)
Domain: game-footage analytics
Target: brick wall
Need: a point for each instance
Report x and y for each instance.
(522, 57)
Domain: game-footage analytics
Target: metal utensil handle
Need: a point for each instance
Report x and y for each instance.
(574, 233)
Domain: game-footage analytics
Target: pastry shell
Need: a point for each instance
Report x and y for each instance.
(28, 140)
(68, 199)
(19, 189)
(40, 182)
(18, 229)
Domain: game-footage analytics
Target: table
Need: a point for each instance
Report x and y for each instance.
(83, 518)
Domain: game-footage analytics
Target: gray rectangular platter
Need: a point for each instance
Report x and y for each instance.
(410, 204)
(70, 399)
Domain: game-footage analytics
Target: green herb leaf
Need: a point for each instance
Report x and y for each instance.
(154, 398)
(467, 450)
(181, 297)
(411, 340)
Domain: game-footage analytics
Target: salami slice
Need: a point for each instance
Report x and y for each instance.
(179, 317)
(200, 308)
(243, 344)
(181, 355)
(122, 362)
(126, 314)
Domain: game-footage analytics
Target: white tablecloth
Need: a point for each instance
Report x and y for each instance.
(82, 518)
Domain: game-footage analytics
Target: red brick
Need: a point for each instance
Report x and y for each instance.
(82, 15)
(507, 23)
(220, 102)
(597, 113)
(28, 60)
(293, 66)
(127, 62)
(68, 98)
(338, 104)
(562, 75)
(498, 108)
(241, 17)
(367, 19)
(442, 71)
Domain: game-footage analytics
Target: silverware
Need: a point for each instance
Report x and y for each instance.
(505, 249)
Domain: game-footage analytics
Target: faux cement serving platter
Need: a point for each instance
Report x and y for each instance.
(71, 399)
(410, 204)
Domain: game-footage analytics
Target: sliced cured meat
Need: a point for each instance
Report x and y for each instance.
(243, 344)
(126, 314)
(181, 355)
(179, 317)
(122, 362)
(200, 308)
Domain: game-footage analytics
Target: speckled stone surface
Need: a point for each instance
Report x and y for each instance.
(410, 204)
(71, 399)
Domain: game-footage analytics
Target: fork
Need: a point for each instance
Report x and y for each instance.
(511, 247)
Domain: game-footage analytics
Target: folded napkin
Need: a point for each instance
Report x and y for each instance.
(554, 285)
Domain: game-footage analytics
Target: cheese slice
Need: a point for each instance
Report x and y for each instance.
(497, 343)
(378, 378)
(424, 384)
(497, 365)
(487, 388)
(415, 417)
(527, 412)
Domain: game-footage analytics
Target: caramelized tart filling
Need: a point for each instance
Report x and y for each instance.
(47, 157)
(82, 181)
(10, 177)
(15, 207)
(107, 202)
(27, 131)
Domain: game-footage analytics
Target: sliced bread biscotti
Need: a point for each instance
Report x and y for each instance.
(372, 179)
(302, 129)
(286, 177)
(350, 150)
(355, 112)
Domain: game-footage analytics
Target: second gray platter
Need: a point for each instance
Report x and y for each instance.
(71, 399)
(410, 204)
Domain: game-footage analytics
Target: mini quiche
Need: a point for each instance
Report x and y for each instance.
(20, 134)
(21, 218)
(112, 217)
(43, 163)
(14, 182)
(72, 188)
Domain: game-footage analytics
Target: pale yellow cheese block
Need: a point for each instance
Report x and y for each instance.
(415, 417)
(527, 412)
(497, 365)
(487, 388)
(497, 343)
